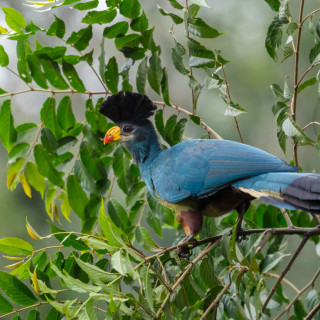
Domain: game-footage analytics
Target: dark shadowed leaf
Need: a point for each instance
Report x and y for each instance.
(45, 166)
(53, 53)
(140, 24)
(165, 87)
(118, 214)
(274, 4)
(49, 118)
(178, 130)
(33, 315)
(175, 4)
(77, 197)
(314, 55)
(177, 60)
(155, 72)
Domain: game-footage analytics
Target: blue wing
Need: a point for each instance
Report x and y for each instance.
(199, 168)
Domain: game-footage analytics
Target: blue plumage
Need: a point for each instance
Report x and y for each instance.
(207, 177)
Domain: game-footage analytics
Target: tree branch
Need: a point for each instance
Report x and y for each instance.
(313, 312)
(285, 271)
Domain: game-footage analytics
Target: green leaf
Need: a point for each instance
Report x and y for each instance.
(199, 28)
(53, 53)
(178, 130)
(270, 261)
(89, 311)
(147, 40)
(53, 74)
(86, 5)
(36, 73)
(57, 28)
(169, 128)
(71, 74)
(274, 35)
(119, 28)
(140, 24)
(234, 109)
(158, 119)
(84, 177)
(4, 59)
(80, 40)
(314, 55)
(196, 49)
(112, 75)
(118, 214)
(121, 262)
(201, 62)
(65, 116)
(35, 178)
(18, 151)
(8, 133)
(292, 130)
(33, 315)
(278, 93)
(165, 87)
(22, 65)
(155, 72)
(176, 19)
(130, 40)
(154, 222)
(201, 3)
(299, 309)
(17, 291)
(5, 305)
(178, 62)
(77, 197)
(130, 8)
(195, 119)
(148, 289)
(282, 139)
(96, 274)
(274, 4)
(49, 118)
(142, 75)
(14, 19)
(45, 166)
(307, 83)
(100, 17)
(175, 4)
(75, 284)
(15, 247)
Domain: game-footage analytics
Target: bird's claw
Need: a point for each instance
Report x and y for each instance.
(185, 251)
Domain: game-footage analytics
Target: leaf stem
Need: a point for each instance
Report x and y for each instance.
(229, 98)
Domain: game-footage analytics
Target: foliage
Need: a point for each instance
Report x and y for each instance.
(113, 267)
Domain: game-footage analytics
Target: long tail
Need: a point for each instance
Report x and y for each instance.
(285, 190)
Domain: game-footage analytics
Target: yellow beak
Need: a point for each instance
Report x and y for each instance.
(113, 134)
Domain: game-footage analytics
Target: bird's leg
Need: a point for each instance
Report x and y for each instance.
(191, 222)
(241, 209)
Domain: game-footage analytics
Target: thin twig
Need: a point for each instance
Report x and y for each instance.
(295, 81)
(313, 312)
(306, 72)
(309, 15)
(311, 283)
(309, 124)
(286, 217)
(285, 271)
(229, 98)
(203, 124)
(274, 275)
(185, 273)
(217, 299)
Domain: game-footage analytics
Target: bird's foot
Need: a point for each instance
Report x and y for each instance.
(240, 237)
(185, 251)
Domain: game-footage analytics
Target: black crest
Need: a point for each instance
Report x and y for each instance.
(128, 107)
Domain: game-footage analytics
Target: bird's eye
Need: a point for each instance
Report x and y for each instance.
(127, 129)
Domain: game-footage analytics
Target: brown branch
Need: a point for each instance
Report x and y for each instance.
(286, 217)
(218, 297)
(309, 15)
(203, 124)
(285, 271)
(295, 81)
(306, 72)
(313, 312)
(300, 292)
(185, 273)
(229, 98)
(309, 124)
(274, 275)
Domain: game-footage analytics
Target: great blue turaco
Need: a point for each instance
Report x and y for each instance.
(205, 177)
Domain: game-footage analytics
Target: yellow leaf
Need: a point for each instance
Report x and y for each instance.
(10, 179)
(35, 282)
(32, 233)
(65, 206)
(3, 30)
(15, 265)
(41, 3)
(25, 185)
(13, 258)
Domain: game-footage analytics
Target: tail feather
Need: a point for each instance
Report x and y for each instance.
(285, 190)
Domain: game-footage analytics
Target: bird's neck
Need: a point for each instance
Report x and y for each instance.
(144, 152)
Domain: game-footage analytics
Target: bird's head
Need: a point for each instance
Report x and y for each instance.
(130, 111)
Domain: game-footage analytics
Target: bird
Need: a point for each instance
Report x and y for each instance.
(204, 177)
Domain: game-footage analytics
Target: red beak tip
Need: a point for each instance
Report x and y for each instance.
(108, 139)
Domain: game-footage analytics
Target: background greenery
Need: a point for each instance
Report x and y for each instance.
(249, 75)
